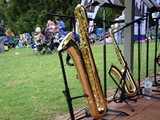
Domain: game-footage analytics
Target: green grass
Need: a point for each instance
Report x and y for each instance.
(31, 85)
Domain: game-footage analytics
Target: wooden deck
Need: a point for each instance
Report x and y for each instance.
(144, 109)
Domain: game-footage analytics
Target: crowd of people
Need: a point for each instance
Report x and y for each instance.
(54, 30)
(50, 37)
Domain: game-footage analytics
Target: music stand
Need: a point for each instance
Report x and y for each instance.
(154, 7)
(109, 4)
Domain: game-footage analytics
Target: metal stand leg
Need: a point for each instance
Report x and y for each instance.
(156, 83)
(129, 106)
(66, 91)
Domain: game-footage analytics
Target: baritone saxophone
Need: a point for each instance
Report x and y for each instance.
(130, 85)
(84, 63)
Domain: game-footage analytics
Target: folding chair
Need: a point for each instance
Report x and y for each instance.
(7, 41)
(36, 43)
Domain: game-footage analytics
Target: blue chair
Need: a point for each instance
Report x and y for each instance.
(28, 36)
(9, 41)
(99, 32)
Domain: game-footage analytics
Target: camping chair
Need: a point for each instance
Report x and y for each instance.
(52, 46)
(47, 46)
(18, 43)
(41, 45)
(10, 42)
(28, 37)
(36, 43)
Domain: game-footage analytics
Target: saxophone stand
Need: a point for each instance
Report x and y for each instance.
(66, 92)
(121, 87)
(153, 6)
(69, 99)
(104, 56)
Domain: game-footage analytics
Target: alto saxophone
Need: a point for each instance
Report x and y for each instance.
(82, 57)
(130, 85)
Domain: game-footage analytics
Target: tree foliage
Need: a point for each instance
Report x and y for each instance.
(25, 15)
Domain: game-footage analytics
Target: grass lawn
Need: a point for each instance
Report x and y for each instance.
(31, 85)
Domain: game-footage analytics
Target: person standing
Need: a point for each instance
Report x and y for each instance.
(60, 26)
(120, 33)
(116, 25)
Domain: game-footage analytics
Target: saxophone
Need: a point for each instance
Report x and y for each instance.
(130, 85)
(84, 63)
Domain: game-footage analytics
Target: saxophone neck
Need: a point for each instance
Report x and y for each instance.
(113, 30)
(81, 16)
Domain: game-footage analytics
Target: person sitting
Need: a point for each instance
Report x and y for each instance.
(38, 40)
(9, 32)
(23, 39)
(55, 42)
(9, 41)
(51, 26)
(41, 36)
(38, 30)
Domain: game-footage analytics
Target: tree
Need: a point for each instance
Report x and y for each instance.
(25, 15)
